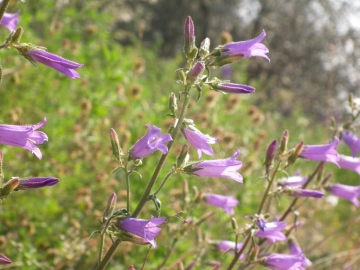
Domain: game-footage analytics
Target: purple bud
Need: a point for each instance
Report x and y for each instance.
(284, 141)
(307, 193)
(233, 88)
(4, 260)
(110, 206)
(196, 71)
(189, 35)
(270, 153)
(37, 182)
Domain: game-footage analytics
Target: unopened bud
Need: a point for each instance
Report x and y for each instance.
(4, 260)
(320, 173)
(110, 206)
(326, 179)
(10, 186)
(195, 72)
(226, 59)
(234, 224)
(115, 145)
(183, 157)
(189, 35)
(37, 182)
(254, 253)
(173, 107)
(284, 141)
(131, 267)
(295, 154)
(179, 265)
(270, 153)
(204, 47)
(17, 35)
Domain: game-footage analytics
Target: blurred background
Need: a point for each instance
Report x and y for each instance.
(130, 51)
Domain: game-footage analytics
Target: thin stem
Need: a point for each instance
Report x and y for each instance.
(102, 242)
(237, 255)
(266, 194)
(109, 254)
(163, 182)
(127, 180)
(310, 178)
(3, 8)
(161, 162)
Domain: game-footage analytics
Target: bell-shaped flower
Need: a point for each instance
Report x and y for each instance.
(54, 61)
(147, 230)
(350, 193)
(272, 231)
(37, 182)
(152, 141)
(352, 141)
(199, 141)
(350, 163)
(4, 259)
(292, 181)
(279, 261)
(247, 48)
(24, 136)
(225, 168)
(229, 246)
(296, 250)
(225, 202)
(10, 20)
(326, 152)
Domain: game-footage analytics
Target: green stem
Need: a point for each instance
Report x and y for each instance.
(127, 179)
(310, 178)
(237, 255)
(163, 182)
(161, 162)
(109, 254)
(266, 194)
(3, 8)
(102, 242)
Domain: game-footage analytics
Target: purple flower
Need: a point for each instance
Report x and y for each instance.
(10, 20)
(24, 136)
(272, 231)
(4, 260)
(37, 182)
(152, 141)
(296, 250)
(283, 261)
(225, 202)
(225, 246)
(199, 141)
(326, 152)
(145, 229)
(350, 163)
(247, 48)
(350, 193)
(352, 141)
(225, 168)
(234, 88)
(307, 193)
(292, 181)
(56, 62)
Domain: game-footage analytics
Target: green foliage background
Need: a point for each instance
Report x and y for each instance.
(125, 87)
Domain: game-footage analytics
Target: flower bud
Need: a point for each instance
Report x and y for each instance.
(205, 217)
(204, 47)
(234, 224)
(17, 35)
(37, 182)
(195, 72)
(254, 253)
(115, 145)
(10, 186)
(183, 157)
(173, 107)
(189, 35)
(110, 206)
(270, 153)
(4, 259)
(295, 154)
(284, 141)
